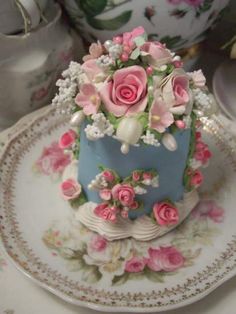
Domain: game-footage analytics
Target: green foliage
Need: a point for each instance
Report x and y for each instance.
(120, 280)
(79, 201)
(109, 24)
(92, 7)
(154, 276)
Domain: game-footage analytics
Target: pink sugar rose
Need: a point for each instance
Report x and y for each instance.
(105, 212)
(135, 265)
(128, 37)
(108, 176)
(105, 194)
(127, 92)
(88, 99)
(95, 51)
(165, 213)
(147, 176)
(67, 139)
(198, 78)
(165, 258)
(124, 193)
(53, 160)
(155, 53)
(196, 178)
(91, 69)
(209, 209)
(175, 90)
(70, 189)
(136, 176)
(160, 117)
(98, 243)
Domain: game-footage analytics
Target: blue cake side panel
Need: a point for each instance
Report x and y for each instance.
(106, 152)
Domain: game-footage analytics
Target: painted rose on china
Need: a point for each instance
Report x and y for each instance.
(175, 91)
(155, 53)
(165, 259)
(126, 93)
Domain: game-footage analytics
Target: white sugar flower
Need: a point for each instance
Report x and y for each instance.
(155, 181)
(98, 183)
(187, 120)
(139, 190)
(194, 163)
(149, 139)
(99, 128)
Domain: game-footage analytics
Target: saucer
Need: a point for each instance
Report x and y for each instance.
(43, 240)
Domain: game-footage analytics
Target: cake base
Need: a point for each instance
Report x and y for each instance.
(142, 228)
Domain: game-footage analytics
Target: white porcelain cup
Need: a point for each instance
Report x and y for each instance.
(30, 65)
(11, 14)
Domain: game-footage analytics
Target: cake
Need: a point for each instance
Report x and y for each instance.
(135, 119)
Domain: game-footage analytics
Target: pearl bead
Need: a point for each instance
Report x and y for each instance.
(124, 57)
(124, 148)
(180, 124)
(169, 142)
(108, 44)
(77, 118)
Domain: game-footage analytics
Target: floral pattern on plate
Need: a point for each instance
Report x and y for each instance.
(128, 259)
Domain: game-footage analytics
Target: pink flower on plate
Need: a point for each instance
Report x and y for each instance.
(127, 92)
(124, 193)
(198, 78)
(135, 264)
(95, 51)
(194, 3)
(128, 37)
(175, 89)
(53, 160)
(202, 152)
(105, 212)
(105, 194)
(209, 209)
(91, 69)
(67, 139)
(165, 258)
(70, 189)
(98, 243)
(155, 53)
(160, 117)
(108, 175)
(196, 178)
(88, 99)
(165, 213)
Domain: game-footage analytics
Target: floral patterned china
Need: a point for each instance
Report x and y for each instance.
(178, 23)
(45, 242)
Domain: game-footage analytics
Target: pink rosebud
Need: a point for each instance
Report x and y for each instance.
(165, 213)
(136, 176)
(178, 64)
(105, 194)
(124, 193)
(134, 205)
(70, 189)
(117, 40)
(165, 259)
(198, 135)
(67, 139)
(127, 49)
(124, 214)
(149, 70)
(196, 179)
(124, 57)
(147, 176)
(135, 265)
(108, 176)
(104, 211)
(180, 124)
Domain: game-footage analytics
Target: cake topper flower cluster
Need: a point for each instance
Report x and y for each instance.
(134, 90)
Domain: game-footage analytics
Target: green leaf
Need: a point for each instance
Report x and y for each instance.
(91, 274)
(135, 54)
(172, 42)
(140, 40)
(120, 280)
(143, 119)
(78, 201)
(154, 276)
(92, 7)
(110, 24)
